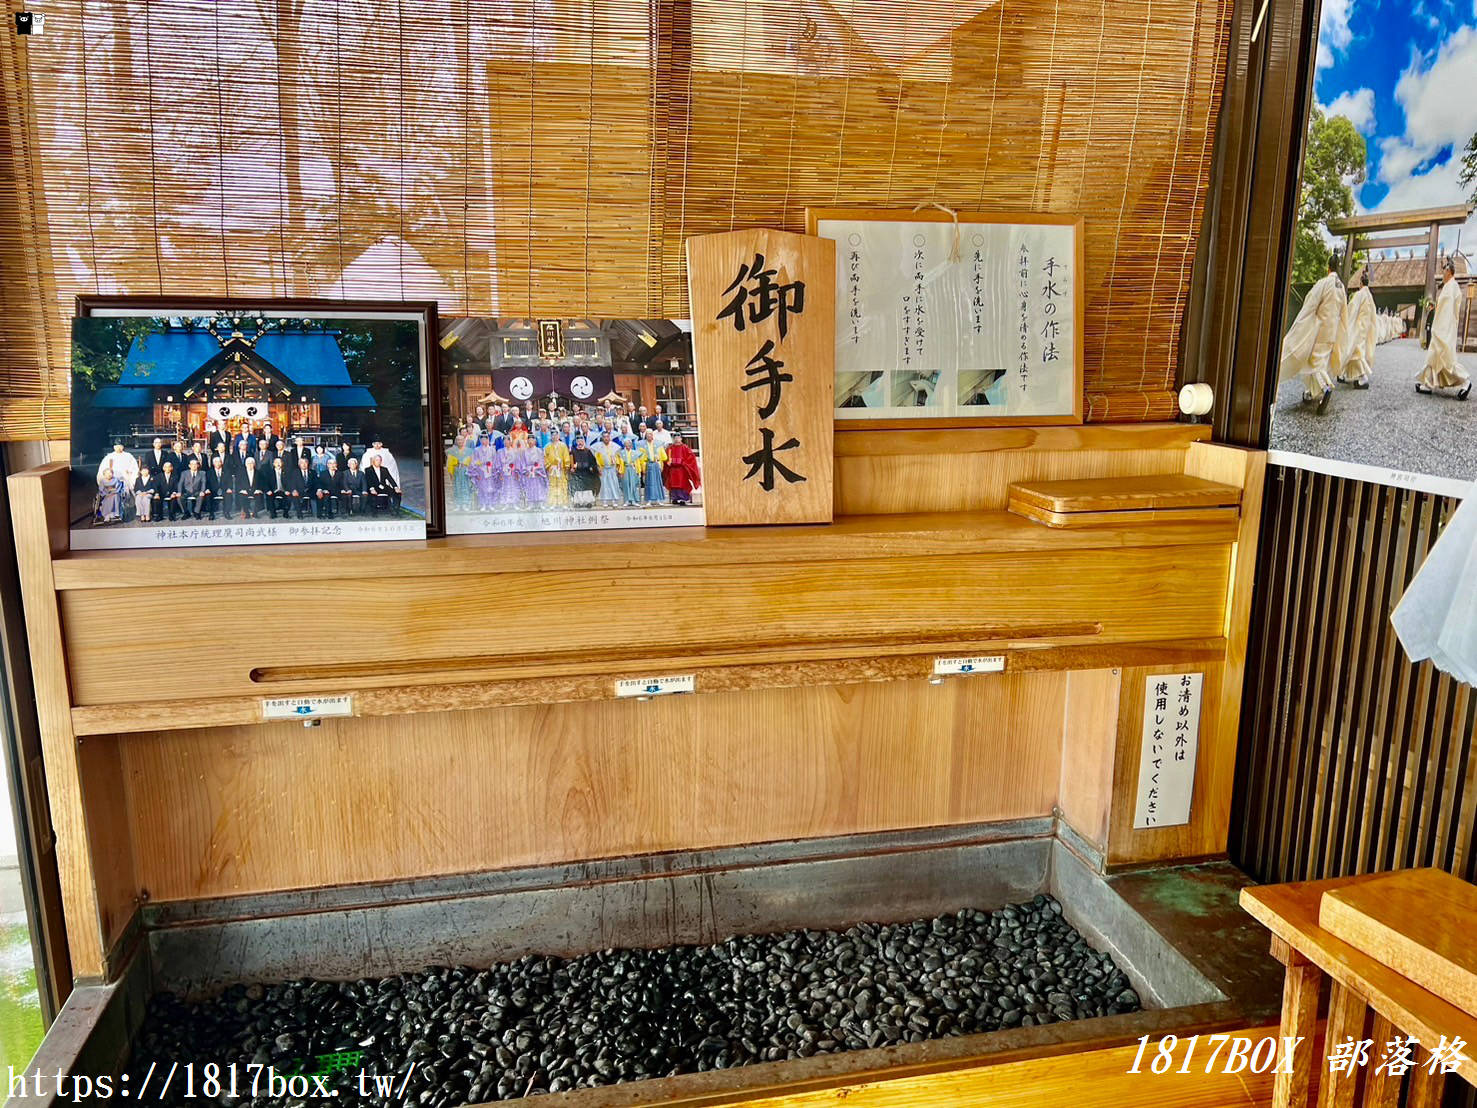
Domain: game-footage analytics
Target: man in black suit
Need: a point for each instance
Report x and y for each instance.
(270, 439)
(327, 485)
(265, 456)
(218, 495)
(344, 455)
(384, 493)
(251, 489)
(169, 490)
(219, 436)
(157, 456)
(300, 484)
(193, 489)
(503, 421)
(278, 494)
(352, 489)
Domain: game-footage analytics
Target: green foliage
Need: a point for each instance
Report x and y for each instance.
(1333, 164)
(1469, 168)
(99, 348)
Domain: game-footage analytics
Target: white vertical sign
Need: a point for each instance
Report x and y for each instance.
(1167, 757)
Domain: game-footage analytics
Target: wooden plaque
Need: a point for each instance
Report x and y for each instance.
(763, 335)
(1416, 922)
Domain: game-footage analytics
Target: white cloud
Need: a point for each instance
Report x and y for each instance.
(1334, 34)
(1440, 110)
(1357, 107)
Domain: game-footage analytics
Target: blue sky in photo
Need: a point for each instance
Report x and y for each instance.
(1405, 74)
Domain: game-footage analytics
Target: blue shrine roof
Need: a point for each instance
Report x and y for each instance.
(305, 359)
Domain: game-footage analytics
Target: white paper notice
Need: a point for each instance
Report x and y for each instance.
(1167, 760)
(308, 707)
(921, 335)
(656, 686)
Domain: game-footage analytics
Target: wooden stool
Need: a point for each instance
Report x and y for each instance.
(1361, 987)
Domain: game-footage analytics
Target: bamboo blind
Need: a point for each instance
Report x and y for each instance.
(544, 157)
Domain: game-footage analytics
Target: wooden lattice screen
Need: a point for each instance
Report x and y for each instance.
(536, 158)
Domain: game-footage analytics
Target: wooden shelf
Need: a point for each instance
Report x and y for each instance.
(850, 538)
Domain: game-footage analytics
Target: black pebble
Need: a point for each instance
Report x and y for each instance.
(544, 1024)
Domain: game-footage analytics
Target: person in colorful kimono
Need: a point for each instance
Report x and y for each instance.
(463, 495)
(484, 474)
(654, 458)
(608, 455)
(535, 476)
(509, 495)
(682, 476)
(556, 463)
(453, 463)
(110, 490)
(584, 475)
(633, 467)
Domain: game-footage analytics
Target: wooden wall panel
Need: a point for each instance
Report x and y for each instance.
(887, 472)
(1089, 743)
(1172, 592)
(247, 809)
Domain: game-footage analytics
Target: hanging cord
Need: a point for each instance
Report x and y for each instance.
(952, 214)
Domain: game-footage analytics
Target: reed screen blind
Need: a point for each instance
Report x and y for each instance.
(549, 158)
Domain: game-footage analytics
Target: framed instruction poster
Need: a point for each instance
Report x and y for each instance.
(962, 319)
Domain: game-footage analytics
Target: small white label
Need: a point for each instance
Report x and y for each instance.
(655, 686)
(308, 707)
(979, 663)
(1167, 758)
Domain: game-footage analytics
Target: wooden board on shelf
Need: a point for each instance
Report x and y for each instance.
(1418, 922)
(1120, 494)
(1100, 519)
(763, 340)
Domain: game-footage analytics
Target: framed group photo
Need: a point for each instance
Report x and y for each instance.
(214, 422)
(569, 425)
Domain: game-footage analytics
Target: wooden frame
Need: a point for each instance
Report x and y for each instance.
(430, 351)
(813, 219)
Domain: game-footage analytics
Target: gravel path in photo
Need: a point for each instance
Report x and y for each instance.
(1389, 424)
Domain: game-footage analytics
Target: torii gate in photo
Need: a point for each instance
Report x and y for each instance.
(1357, 229)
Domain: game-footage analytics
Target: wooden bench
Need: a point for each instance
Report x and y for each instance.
(1364, 990)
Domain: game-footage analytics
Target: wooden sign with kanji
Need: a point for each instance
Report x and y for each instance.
(764, 343)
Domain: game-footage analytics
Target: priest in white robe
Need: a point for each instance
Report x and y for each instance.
(1359, 336)
(1309, 347)
(123, 464)
(1442, 371)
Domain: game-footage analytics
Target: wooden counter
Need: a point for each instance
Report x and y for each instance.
(486, 733)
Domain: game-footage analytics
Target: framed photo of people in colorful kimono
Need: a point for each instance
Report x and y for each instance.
(569, 425)
(956, 319)
(210, 422)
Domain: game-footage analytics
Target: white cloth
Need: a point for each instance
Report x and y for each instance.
(1358, 336)
(1437, 616)
(1309, 347)
(1442, 370)
(124, 464)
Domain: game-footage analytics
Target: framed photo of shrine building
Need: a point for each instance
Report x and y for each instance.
(955, 319)
(214, 422)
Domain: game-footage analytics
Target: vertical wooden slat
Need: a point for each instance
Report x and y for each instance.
(1353, 759)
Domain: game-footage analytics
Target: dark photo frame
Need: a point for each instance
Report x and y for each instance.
(424, 314)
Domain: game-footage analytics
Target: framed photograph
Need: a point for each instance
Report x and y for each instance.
(569, 425)
(967, 319)
(211, 422)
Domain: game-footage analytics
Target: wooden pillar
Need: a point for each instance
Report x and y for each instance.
(1346, 1013)
(1299, 1023)
(1433, 259)
(38, 501)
